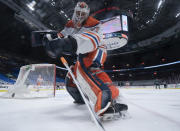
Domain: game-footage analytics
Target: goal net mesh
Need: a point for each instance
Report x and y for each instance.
(36, 80)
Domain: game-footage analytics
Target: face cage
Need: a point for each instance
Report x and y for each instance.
(81, 15)
(78, 16)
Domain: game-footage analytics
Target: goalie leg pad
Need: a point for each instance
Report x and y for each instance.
(73, 91)
(93, 86)
(102, 76)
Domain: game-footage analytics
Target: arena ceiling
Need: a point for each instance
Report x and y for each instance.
(154, 25)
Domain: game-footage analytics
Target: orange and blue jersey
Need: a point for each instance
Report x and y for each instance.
(94, 38)
(97, 57)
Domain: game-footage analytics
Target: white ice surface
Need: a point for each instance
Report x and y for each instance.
(150, 110)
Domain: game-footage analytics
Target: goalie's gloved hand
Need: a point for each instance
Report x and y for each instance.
(46, 43)
(37, 36)
(58, 47)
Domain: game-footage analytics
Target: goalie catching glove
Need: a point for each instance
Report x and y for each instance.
(71, 45)
(58, 47)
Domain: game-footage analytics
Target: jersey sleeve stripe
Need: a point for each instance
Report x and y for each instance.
(94, 44)
(93, 37)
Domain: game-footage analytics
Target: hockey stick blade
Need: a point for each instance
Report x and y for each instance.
(93, 114)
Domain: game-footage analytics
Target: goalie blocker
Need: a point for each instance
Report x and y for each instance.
(37, 36)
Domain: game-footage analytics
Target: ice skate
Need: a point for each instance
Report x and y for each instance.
(115, 112)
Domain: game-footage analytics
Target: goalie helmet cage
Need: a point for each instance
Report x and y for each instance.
(35, 80)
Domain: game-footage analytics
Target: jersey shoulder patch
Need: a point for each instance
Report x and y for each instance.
(90, 22)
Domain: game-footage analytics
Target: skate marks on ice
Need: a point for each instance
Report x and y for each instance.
(49, 114)
(60, 113)
(153, 109)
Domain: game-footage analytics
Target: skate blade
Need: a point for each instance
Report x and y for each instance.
(110, 117)
(116, 116)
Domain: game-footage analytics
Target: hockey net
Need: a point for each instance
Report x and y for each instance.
(36, 80)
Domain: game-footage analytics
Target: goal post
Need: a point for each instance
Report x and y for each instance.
(35, 80)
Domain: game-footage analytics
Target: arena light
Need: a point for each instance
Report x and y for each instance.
(61, 12)
(31, 5)
(178, 14)
(163, 59)
(142, 63)
(66, 15)
(160, 4)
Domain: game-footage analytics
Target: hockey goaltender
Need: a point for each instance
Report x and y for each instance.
(83, 37)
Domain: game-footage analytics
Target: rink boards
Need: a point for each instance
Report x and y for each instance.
(4, 88)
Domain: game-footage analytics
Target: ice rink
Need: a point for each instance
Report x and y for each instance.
(150, 110)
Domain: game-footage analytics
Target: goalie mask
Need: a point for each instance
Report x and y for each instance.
(81, 13)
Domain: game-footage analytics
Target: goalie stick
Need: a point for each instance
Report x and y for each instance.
(93, 114)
